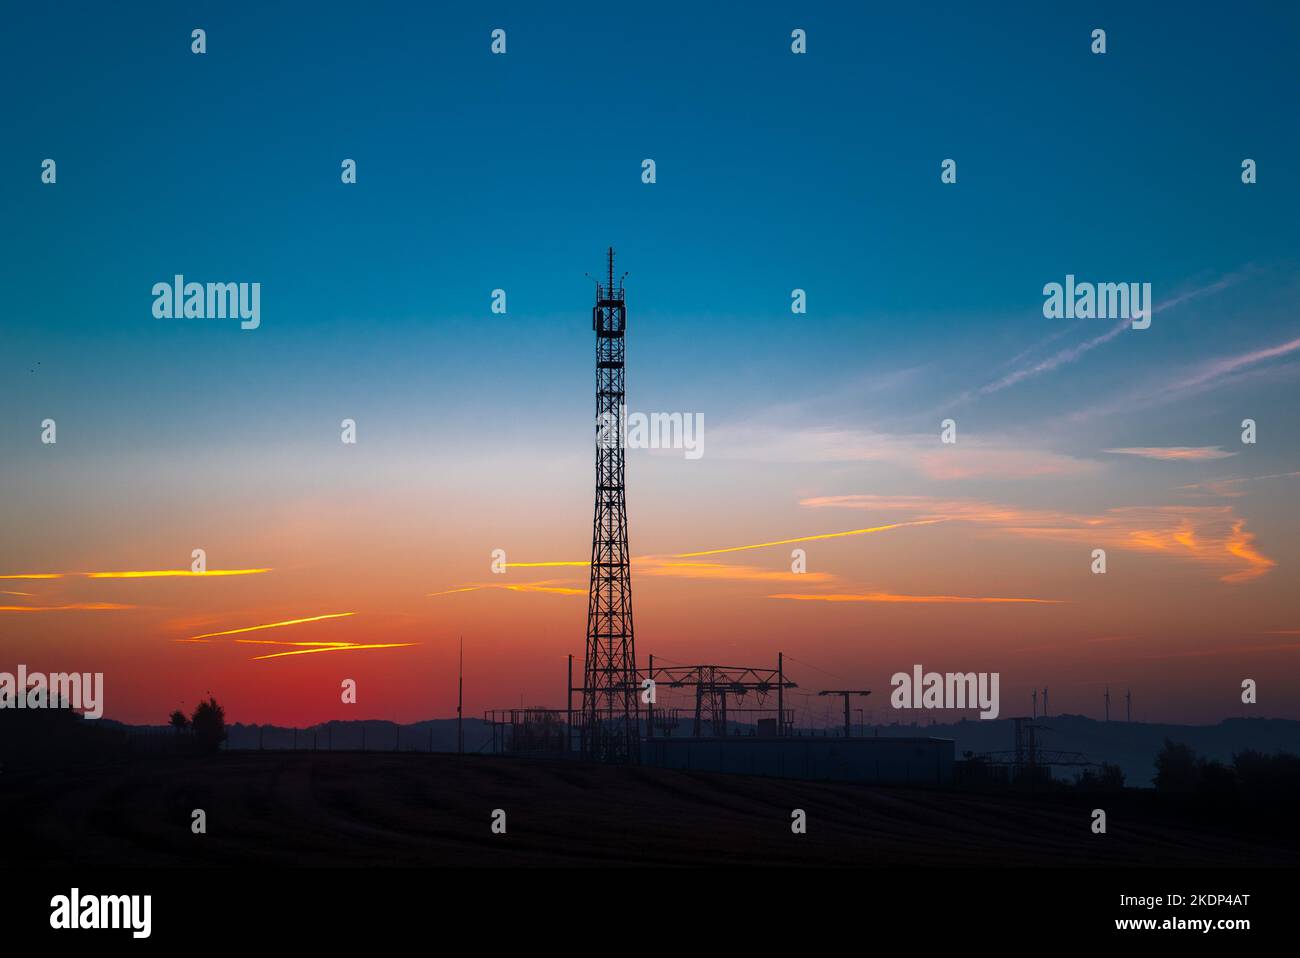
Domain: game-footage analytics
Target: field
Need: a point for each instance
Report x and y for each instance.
(375, 809)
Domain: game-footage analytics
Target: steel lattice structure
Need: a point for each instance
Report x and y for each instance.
(610, 700)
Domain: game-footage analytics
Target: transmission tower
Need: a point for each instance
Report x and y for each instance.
(610, 701)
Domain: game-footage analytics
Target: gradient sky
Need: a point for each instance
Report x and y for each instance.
(775, 171)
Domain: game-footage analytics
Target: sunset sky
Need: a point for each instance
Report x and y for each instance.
(774, 172)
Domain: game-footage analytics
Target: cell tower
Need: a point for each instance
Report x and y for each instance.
(610, 700)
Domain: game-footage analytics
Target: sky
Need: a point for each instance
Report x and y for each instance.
(774, 171)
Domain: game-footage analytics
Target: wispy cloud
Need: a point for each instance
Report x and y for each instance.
(1072, 354)
(1211, 535)
(1231, 486)
(807, 538)
(732, 573)
(275, 625)
(303, 648)
(357, 647)
(1202, 377)
(985, 457)
(549, 586)
(72, 607)
(1174, 453)
(143, 574)
(898, 597)
(169, 573)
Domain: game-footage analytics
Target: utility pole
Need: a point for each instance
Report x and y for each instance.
(1108, 703)
(780, 693)
(460, 702)
(568, 709)
(1045, 712)
(650, 706)
(1128, 705)
(848, 717)
(1034, 695)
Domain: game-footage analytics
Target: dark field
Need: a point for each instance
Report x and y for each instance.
(355, 809)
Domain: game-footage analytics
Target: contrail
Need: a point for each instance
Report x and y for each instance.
(336, 648)
(824, 535)
(274, 625)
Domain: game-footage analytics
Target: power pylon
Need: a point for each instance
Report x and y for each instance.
(610, 703)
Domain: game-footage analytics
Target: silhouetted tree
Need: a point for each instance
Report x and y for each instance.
(209, 724)
(1176, 769)
(178, 721)
(1273, 778)
(1216, 781)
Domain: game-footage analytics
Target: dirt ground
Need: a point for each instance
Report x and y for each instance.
(354, 809)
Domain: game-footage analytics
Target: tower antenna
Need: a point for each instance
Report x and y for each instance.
(611, 719)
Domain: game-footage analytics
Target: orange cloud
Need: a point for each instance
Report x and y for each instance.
(337, 648)
(544, 586)
(78, 606)
(895, 597)
(1211, 535)
(735, 573)
(810, 538)
(165, 573)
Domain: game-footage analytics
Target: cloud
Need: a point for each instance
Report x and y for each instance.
(1230, 486)
(351, 647)
(275, 625)
(149, 574)
(1071, 354)
(731, 573)
(548, 586)
(919, 453)
(1210, 535)
(897, 597)
(77, 606)
(1200, 378)
(303, 648)
(1174, 453)
(807, 538)
(168, 573)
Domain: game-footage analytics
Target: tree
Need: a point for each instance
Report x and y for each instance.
(1176, 769)
(209, 724)
(1217, 782)
(178, 721)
